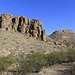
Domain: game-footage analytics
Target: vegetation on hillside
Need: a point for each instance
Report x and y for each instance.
(34, 62)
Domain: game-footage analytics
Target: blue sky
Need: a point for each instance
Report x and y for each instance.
(54, 14)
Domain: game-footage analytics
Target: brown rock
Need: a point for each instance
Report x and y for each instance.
(64, 37)
(22, 20)
(44, 36)
(40, 22)
(33, 27)
(16, 23)
(39, 30)
(0, 21)
(29, 21)
(21, 24)
(25, 20)
(65, 31)
(34, 33)
(27, 30)
(23, 28)
(6, 20)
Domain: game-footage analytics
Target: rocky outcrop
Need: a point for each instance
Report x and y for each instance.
(6, 21)
(32, 28)
(64, 31)
(64, 37)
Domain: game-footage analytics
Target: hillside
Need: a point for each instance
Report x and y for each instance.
(66, 37)
(15, 42)
(23, 43)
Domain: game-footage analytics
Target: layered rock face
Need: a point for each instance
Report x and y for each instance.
(32, 28)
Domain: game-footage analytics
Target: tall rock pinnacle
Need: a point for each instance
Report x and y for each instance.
(33, 28)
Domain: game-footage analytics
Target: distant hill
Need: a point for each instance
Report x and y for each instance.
(66, 37)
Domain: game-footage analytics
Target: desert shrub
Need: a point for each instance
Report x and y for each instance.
(35, 61)
(56, 57)
(32, 63)
(61, 57)
(4, 63)
(70, 55)
(51, 58)
(73, 69)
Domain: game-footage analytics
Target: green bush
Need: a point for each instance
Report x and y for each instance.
(56, 57)
(32, 63)
(35, 61)
(73, 69)
(70, 55)
(3, 63)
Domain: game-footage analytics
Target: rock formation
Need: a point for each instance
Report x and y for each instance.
(33, 28)
(64, 37)
(6, 21)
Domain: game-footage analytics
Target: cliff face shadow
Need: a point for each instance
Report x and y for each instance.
(13, 20)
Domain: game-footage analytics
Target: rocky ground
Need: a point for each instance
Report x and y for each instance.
(59, 69)
(66, 37)
(15, 42)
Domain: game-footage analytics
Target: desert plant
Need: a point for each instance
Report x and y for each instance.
(33, 62)
(73, 69)
(56, 57)
(70, 55)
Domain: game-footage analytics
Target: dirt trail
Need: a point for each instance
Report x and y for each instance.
(61, 69)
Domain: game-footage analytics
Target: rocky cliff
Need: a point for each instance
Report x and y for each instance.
(32, 28)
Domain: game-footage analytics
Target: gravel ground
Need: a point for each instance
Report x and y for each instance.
(59, 69)
(15, 42)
